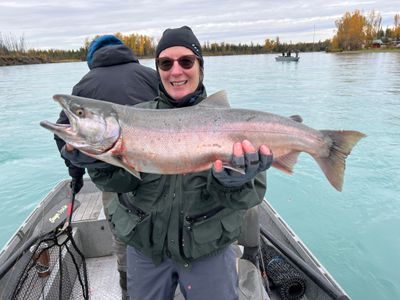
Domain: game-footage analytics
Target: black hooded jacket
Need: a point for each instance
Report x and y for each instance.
(115, 76)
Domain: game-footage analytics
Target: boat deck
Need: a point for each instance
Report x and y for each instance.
(90, 207)
(101, 270)
(104, 283)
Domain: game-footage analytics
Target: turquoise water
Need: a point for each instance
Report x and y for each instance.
(355, 234)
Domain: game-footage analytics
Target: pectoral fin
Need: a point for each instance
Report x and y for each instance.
(135, 173)
(120, 161)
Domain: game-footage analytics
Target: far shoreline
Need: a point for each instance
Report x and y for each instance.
(372, 50)
(6, 61)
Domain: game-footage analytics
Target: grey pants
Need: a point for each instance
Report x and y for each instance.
(250, 235)
(118, 246)
(211, 278)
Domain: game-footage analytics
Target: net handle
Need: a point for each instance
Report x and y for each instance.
(70, 210)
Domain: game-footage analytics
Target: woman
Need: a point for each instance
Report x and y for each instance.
(180, 228)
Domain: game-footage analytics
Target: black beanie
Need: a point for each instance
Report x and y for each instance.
(182, 36)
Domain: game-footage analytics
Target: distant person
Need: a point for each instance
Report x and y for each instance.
(181, 227)
(115, 76)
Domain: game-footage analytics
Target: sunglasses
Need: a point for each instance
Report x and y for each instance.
(185, 61)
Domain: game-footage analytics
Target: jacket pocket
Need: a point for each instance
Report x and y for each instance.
(207, 236)
(130, 225)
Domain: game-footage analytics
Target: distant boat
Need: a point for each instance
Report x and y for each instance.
(287, 57)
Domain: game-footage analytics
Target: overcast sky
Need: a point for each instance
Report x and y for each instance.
(65, 24)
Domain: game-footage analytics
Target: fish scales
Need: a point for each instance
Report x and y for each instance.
(175, 134)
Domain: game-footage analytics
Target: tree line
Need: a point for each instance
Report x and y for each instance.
(13, 51)
(354, 31)
(144, 46)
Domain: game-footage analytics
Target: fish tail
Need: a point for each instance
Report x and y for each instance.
(334, 165)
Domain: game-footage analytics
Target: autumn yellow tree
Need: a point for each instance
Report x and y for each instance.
(142, 45)
(351, 31)
(269, 45)
(396, 29)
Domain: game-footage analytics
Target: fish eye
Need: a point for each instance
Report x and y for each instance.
(80, 112)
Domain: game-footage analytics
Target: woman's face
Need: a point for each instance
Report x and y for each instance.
(178, 81)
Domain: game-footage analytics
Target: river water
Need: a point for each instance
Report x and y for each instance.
(355, 234)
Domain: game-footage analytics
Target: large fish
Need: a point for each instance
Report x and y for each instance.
(190, 139)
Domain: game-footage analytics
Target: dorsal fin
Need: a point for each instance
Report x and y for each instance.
(218, 99)
(296, 118)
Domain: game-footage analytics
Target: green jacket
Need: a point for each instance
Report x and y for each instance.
(183, 217)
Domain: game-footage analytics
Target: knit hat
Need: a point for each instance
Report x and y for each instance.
(182, 36)
(100, 42)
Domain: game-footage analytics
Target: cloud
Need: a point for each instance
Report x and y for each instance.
(351, 4)
(66, 24)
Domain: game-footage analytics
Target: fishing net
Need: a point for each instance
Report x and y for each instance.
(289, 282)
(51, 268)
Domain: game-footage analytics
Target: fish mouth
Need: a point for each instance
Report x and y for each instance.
(67, 132)
(57, 128)
(64, 131)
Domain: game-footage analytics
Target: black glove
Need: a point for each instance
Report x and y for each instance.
(253, 163)
(76, 184)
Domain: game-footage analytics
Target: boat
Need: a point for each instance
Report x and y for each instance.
(287, 57)
(91, 239)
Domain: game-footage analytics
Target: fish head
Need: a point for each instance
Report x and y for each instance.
(93, 128)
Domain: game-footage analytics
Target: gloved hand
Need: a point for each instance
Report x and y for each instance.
(244, 156)
(76, 184)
